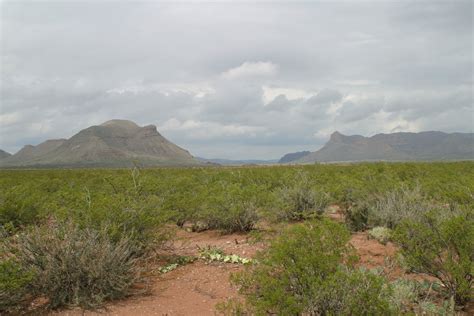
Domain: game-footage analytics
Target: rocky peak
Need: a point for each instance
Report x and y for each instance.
(120, 124)
(336, 137)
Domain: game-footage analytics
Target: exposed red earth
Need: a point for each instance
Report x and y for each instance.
(196, 288)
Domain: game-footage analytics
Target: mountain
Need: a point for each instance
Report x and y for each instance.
(395, 147)
(293, 156)
(231, 162)
(29, 153)
(115, 143)
(4, 154)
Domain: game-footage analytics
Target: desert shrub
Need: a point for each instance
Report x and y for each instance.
(428, 307)
(128, 211)
(230, 217)
(309, 270)
(300, 200)
(73, 266)
(381, 234)
(394, 206)
(356, 216)
(19, 206)
(388, 208)
(237, 217)
(14, 282)
(410, 297)
(230, 209)
(141, 221)
(441, 246)
(404, 294)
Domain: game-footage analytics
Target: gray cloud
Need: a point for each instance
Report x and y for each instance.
(235, 80)
(325, 96)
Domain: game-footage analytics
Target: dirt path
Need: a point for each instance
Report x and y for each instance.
(196, 288)
(193, 289)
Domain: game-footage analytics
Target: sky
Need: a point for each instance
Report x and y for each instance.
(236, 80)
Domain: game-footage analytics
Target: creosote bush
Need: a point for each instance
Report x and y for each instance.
(232, 210)
(395, 206)
(441, 246)
(300, 201)
(14, 282)
(381, 234)
(310, 270)
(388, 209)
(76, 267)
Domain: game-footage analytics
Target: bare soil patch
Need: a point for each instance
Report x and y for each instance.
(193, 289)
(196, 288)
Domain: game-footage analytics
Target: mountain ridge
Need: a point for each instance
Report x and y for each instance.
(403, 146)
(291, 157)
(115, 143)
(4, 154)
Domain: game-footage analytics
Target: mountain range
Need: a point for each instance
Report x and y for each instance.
(4, 154)
(115, 143)
(293, 156)
(423, 146)
(122, 143)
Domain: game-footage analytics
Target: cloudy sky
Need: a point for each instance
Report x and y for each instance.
(236, 80)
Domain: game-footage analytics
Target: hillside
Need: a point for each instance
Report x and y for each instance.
(116, 143)
(293, 156)
(4, 154)
(395, 147)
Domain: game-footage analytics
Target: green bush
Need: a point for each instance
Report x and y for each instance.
(76, 267)
(381, 234)
(441, 246)
(237, 217)
(129, 211)
(300, 201)
(233, 209)
(14, 283)
(387, 209)
(404, 294)
(356, 216)
(19, 206)
(309, 270)
(394, 206)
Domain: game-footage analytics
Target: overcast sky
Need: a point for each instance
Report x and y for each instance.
(240, 80)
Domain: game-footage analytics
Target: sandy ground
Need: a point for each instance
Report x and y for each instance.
(195, 289)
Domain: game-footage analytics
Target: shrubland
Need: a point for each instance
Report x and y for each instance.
(309, 270)
(441, 245)
(426, 208)
(70, 266)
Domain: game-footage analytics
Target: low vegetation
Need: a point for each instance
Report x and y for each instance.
(290, 280)
(81, 237)
(442, 246)
(68, 266)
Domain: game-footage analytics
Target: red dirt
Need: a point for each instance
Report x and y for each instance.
(196, 288)
(193, 289)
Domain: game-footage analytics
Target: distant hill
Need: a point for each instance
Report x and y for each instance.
(4, 154)
(395, 147)
(116, 143)
(293, 156)
(231, 162)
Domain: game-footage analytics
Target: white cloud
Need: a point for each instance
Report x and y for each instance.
(197, 89)
(251, 69)
(10, 118)
(209, 130)
(357, 82)
(270, 93)
(233, 79)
